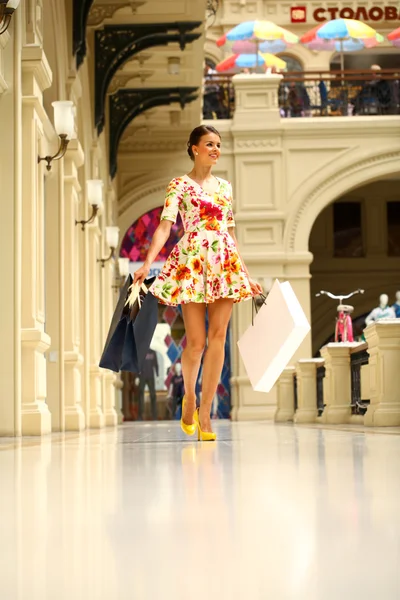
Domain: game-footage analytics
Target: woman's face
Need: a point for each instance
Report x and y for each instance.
(208, 150)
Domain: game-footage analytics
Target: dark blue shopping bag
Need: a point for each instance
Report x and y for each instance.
(131, 331)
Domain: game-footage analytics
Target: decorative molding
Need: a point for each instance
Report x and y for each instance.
(100, 12)
(80, 14)
(115, 44)
(240, 6)
(3, 42)
(146, 191)
(121, 79)
(341, 174)
(260, 143)
(126, 104)
(34, 22)
(130, 145)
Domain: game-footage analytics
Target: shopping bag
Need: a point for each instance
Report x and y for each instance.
(139, 333)
(129, 304)
(277, 331)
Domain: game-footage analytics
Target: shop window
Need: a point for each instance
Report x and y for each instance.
(393, 228)
(347, 230)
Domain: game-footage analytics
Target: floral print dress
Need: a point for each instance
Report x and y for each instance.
(204, 265)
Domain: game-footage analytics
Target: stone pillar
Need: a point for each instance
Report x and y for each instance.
(306, 370)
(337, 383)
(285, 394)
(36, 76)
(95, 415)
(383, 340)
(109, 396)
(257, 146)
(73, 359)
(10, 229)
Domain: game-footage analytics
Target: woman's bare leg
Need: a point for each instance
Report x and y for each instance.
(194, 316)
(219, 314)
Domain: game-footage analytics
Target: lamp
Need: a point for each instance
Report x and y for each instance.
(94, 191)
(112, 237)
(7, 8)
(123, 272)
(123, 267)
(174, 65)
(64, 124)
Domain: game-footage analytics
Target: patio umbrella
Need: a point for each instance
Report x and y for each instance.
(248, 47)
(249, 61)
(343, 31)
(260, 32)
(394, 37)
(347, 45)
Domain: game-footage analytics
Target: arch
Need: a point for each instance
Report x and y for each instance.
(139, 201)
(288, 57)
(331, 183)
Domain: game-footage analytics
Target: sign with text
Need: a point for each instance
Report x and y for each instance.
(298, 14)
(362, 13)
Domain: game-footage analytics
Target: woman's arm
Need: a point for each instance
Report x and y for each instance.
(160, 237)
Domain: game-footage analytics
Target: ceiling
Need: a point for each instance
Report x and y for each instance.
(149, 69)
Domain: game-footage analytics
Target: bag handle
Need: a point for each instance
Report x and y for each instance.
(255, 308)
(134, 294)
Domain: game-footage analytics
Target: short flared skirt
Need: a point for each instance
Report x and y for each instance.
(203, 267)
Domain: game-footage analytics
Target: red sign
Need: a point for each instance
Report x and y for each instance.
(298, 14)
(375, 13)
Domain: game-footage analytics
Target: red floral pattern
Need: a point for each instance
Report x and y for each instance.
(204, 265)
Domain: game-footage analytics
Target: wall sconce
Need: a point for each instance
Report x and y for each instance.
(7, 8)
(123, 272)
(112, 237)
(123, 267)
(64, 124)
(174, 65)
(94, 191)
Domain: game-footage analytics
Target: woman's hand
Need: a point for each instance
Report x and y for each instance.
(255, 287)
(141, 274)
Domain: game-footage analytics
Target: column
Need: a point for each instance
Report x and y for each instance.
(257, 153)
(306, 370)
(73, 359)
(10, 229)
(285, 393)
(337, 383)
(383, 340)
(36, 76)
(95, 415)
(109, 389)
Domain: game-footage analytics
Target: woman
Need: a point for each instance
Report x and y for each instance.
(204, 270)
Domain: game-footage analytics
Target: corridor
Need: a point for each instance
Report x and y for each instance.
(144, 513)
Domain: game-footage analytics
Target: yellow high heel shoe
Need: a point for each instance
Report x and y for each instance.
(203, 436)
(188, 429)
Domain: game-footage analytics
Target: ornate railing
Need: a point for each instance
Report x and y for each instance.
(320, 389)
(358, 358)
(311, 93)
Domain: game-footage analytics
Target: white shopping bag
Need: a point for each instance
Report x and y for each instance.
(269, 343)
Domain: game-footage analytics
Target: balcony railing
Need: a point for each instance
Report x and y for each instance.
(311, 93)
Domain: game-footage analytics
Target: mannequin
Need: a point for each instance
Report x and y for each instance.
(176, 389)
(396, 305)
(344, 324)
(383, 311)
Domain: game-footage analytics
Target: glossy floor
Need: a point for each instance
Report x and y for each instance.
(145, 513)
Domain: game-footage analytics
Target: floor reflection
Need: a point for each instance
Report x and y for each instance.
(147, 513)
